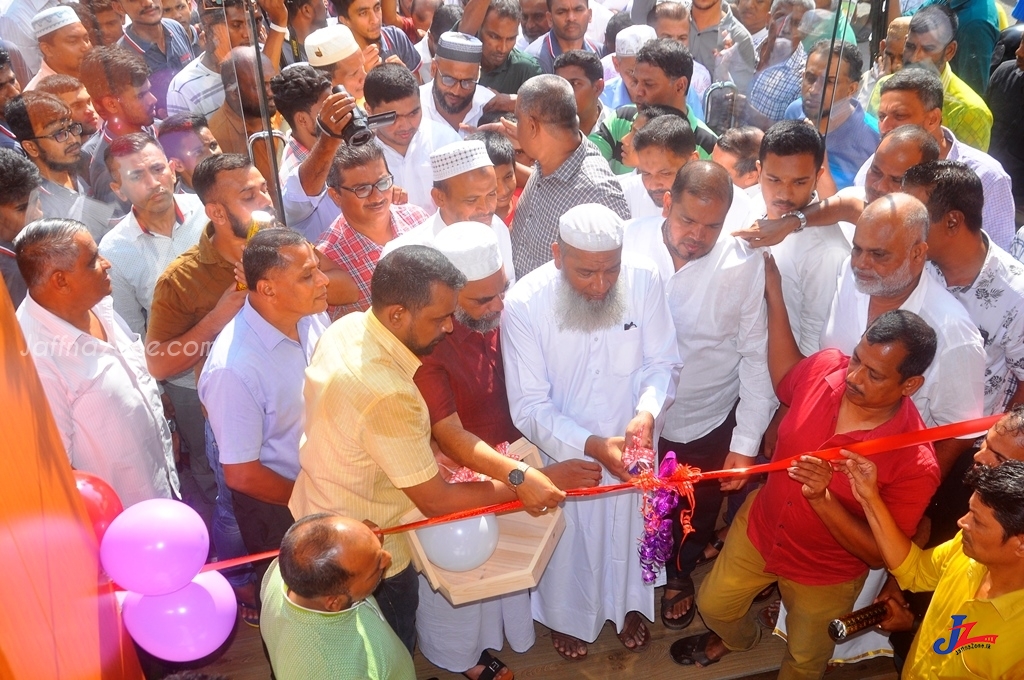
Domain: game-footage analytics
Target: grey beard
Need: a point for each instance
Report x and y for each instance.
(484, 325)
(576, 313)
(890, 286)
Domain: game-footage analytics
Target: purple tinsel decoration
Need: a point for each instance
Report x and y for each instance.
(656, 545)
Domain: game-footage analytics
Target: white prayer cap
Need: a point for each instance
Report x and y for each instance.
(329, 45)
(49, 20)
(591, 227)
(630, 39)
(459, 47)
(472, 247)
(459, 157)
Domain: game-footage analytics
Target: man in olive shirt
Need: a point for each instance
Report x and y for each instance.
(503, 68)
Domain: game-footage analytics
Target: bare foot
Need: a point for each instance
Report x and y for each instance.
(568, 647)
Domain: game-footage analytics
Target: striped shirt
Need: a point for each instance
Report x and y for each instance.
(367, 430)
(195, 89)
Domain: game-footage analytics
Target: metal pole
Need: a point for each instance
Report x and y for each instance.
(273, 182)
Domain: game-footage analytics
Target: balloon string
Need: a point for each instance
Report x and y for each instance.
(683, 477)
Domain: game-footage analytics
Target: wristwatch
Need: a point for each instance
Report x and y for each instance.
(517, 476)
(800, 216)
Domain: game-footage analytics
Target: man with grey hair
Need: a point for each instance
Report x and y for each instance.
(591, 364)
(569, 170)
(91, 365)
(886, 271)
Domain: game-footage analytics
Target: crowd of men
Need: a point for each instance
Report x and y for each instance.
(707, 228)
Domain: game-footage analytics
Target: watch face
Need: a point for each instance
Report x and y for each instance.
(516, 477)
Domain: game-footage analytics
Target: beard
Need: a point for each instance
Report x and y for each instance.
(870, 283)
(442, 103)
(482, 325)
(62, 166)
(577, 313)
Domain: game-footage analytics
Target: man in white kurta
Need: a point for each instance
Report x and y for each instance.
(590, 355)
(715, 289)
(465, 190)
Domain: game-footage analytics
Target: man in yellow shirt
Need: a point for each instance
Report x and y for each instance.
(974, 627)
(367, 450)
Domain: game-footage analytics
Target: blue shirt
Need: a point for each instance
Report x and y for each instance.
(615, 95)
(848, 145)
(394, 41)
(251, 387)
(546, 49)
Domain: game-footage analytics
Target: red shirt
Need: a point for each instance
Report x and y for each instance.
(790, 536)
(464, 375)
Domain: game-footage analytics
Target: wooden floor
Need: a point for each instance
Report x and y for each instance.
(242, 659)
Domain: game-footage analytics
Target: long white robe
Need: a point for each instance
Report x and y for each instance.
(564, 386)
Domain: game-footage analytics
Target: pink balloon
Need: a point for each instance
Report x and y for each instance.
(185, 625)
(155, 547)
(101, 501)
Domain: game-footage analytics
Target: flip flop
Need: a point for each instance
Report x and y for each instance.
(251, 619)
(630, 628)
(492, 667)
(685, 587)
(566, 655)
(692, 651)
(717, 544)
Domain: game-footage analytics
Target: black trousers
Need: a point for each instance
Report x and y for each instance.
(262, 526)
(707, 453)
(398, 598)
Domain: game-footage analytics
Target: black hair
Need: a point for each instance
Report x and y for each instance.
(5, 58)
(204, 178)
(951, 185)
(309, 558)
(669, 56)
(671, 133)
(43, 107)
(924, 82)
(792, 138)
(844, 51)
(671, 10)
(126, 145)
(404, 277)
(1012, 423)
(1002, 489)
(619, 21)
(297, 88)
(18, 176)
(585, 2)
(107, 71)
(445, 19)
(58, 84)
(505, 9)
(911, 331)
(591, 64)
(929, 18)
(349, 157)
(652, 111)
(499, 148)
(174, 129)
(704, 179)
(263, 253)
(744, 143)
(389, 83)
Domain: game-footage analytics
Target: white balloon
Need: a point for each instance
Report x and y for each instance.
(462, 545)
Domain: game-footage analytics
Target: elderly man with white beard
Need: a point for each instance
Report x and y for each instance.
(591, 364)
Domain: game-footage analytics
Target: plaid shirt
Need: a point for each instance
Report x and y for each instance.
(776, 87)
(358, 255)
(584, 177)
(294, 155)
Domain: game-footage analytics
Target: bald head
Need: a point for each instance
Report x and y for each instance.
(240, 73)
(704, 179)
(899, 150)
(889, 247)
(326, 556)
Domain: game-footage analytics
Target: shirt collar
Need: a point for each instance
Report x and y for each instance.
(138, 43)
(954, 144)
(179, 219)
(270, 336)
(61, 330)
(207, 253)
(406, 361)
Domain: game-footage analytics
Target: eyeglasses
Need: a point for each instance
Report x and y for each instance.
(464, 83)
(364, 190)
(63, 134)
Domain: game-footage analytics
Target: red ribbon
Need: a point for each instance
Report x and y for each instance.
(682, 479)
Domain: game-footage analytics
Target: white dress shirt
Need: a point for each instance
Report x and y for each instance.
(104, 402)
(480, 97)
(138, 257)
(997, 213)
(717, 305)
(809, 262)
(251, 386)
(426, 59)
(424, 235)
(564, 386)
(995, 302)
(412, 171)
(953, 387)
(642, 205)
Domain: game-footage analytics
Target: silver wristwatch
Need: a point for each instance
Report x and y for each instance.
(800, 216)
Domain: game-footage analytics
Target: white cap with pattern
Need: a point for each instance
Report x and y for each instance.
(472, 247)
(50, 20)
(457, 46)
(630, 39)
(592, 227)
(329, 45)
(459, 157)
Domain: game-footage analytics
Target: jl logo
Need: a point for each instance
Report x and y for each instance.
(960, 637)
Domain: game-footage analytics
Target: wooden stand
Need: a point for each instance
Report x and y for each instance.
(523, 551)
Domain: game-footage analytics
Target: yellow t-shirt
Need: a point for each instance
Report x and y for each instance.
(367, 430)
(961, 636)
